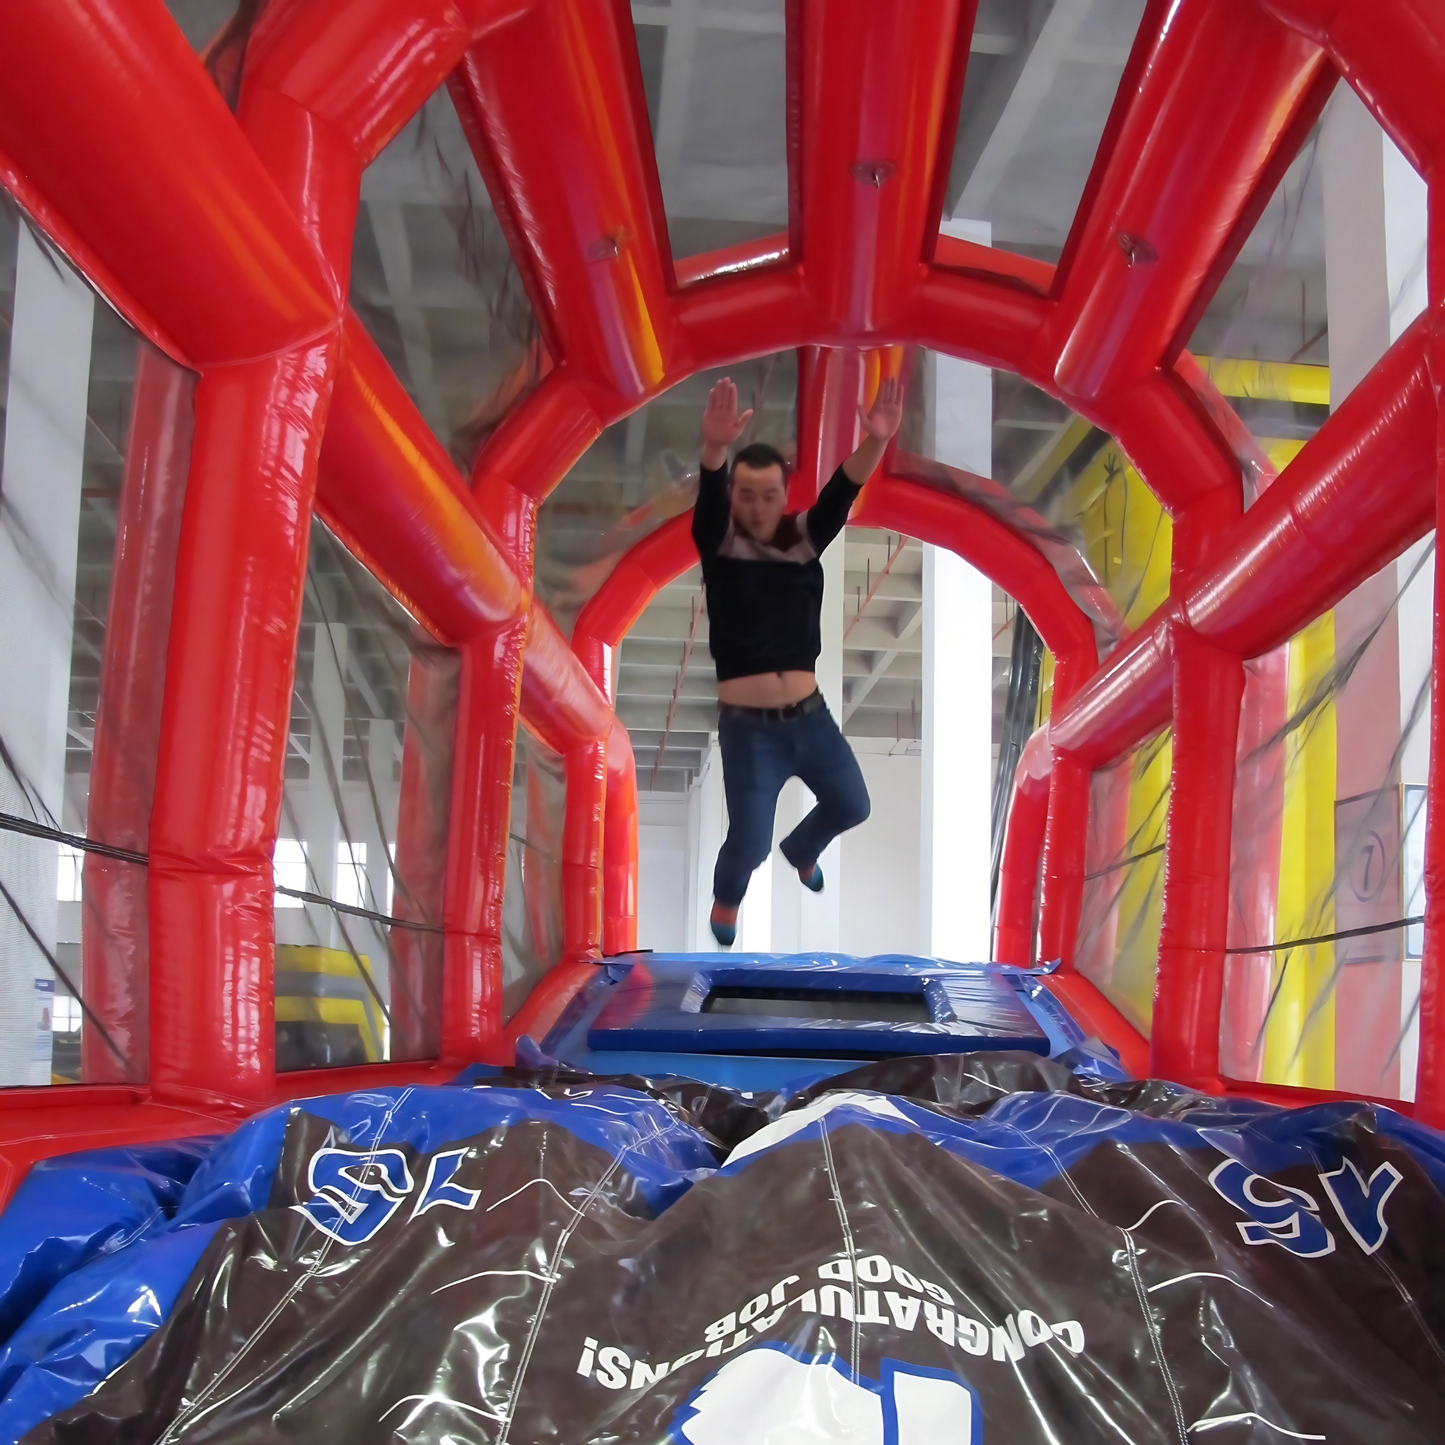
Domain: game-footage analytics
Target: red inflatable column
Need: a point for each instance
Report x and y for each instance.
(619, 846)
(1189, 985)
(127, 731)
(582, 852)
(486, 743)
(1023, 844)
(237, 605)
(1061, 891)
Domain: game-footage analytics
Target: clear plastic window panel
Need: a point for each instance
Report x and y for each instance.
(1040, 84)
(532, 903)
(1322, 982)
(96, 434)
(360, 861)
(716, 85)
(1118, 946)
(1264, 339)
(434, 283)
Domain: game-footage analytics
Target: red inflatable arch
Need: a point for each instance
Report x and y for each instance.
(226, 240)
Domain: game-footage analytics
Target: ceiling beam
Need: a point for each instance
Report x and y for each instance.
(906, 626)
(1028, 85)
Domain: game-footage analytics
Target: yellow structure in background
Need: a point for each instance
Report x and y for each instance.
(1128, 536)
(1141, 890)
(1268, 380)
(1127, 540)
(323, 986)
(1299, 1038)
(1046, 689)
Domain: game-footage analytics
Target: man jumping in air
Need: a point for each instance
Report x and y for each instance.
(764, 595)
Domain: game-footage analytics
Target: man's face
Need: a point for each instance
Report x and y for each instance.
(759, 497)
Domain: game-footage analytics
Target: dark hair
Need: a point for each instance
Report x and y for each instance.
(759, 456)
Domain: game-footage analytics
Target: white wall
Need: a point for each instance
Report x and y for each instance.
(662, 867)
(45, 407)
(880, 906)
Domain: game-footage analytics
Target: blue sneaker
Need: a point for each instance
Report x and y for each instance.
(814, 881)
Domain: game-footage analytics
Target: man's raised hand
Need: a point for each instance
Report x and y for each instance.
(721, 424)
(887, 413)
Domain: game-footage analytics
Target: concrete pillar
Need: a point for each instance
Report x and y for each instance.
(328, 733)
(957, 681)
(40, 476)
(957, 735)
(1375, 234)
(1405, 244)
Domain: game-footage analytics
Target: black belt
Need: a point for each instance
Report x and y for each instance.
(809, 704)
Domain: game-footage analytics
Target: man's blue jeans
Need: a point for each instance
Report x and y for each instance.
(758, 757)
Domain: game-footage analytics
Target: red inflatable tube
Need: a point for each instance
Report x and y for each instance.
(232, 653)
(975, 316)
(644, 571)
(1218, 98)
(986, 263)
(733, 316)
(1167, 436)
(876, 85)
(582, 852)
(127, 727)
(578, 188)
(1061, 882)
(1061, 887)
(1128, 698)
(482, 771)
(388, 488)
(105, 104)
(1393, 55)
(1254, 881)
(1023, 842)
(618, 851)
(737, 260)
(983, 542)
(619, 846)
(535, 445)
(1099, 1018)
(993, 317)
(830, 388)
(1189, 984)
(364, 69)
(1360, 492)
(560, 703)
